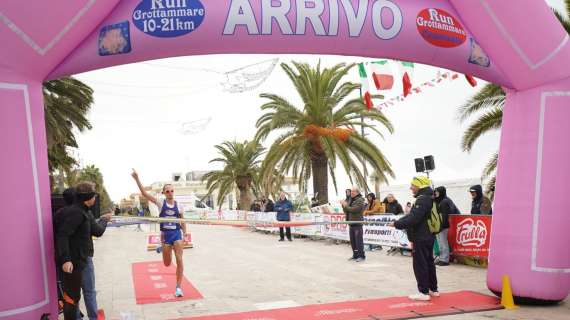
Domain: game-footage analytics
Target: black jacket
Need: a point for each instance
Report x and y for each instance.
(393, 207)
(97, 230)
(73, 235)
(269, 206)
(415, 222)
(445, 206)
(480, 204)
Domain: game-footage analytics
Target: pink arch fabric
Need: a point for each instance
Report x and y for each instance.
(525, 50)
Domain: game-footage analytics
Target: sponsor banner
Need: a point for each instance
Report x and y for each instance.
(381, 234)
(168, 19)
(335, 231)
(313, 230)
(440, 28)
(469, 235)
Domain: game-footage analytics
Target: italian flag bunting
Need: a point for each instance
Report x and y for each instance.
(408, 68)
(365, 86)
(382, 75)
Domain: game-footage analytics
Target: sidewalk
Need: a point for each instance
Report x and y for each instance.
(238, 270)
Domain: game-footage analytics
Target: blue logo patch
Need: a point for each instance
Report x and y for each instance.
(114, 39)
(168, 18)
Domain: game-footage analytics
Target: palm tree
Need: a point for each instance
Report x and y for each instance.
(66, 104)
(92, 174)
(241, 165)
(488, 104)
(321, 130)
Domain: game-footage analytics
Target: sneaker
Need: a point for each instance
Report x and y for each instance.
(359, 259)
(434, 293)
(290, 239)
(419, 297)
(281, 239)
(178, 292)
(442, 264)
(159, 249)
(351, 258)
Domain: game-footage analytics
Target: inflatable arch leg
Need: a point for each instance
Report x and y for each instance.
(27, 267)
(531, 219)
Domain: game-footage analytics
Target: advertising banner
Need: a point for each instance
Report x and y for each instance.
(469, 235)
(381, 234)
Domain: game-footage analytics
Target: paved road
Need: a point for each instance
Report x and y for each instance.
(239, 270)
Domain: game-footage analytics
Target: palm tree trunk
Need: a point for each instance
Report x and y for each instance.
(245, 196)
(377, 188)
(320, 178)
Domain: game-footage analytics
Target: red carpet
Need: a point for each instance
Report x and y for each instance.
(155, 283)
(388, 308)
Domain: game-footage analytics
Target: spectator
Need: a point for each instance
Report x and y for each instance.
(392, 205)
(255, 206)
(268, 205)
(73, 236)
(445, 206)
(347, 195)
(480, 204)
(374, 206)
(353, 210)
(418, 232)
(283, 208)
(408, 208)
(314, 202)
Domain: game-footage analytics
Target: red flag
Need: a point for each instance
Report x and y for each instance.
(471, 80)
(407, 84)
(368, 100)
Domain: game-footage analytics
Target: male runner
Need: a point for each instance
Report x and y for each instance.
(170, 231)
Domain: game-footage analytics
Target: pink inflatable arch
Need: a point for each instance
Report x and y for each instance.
(525, 50)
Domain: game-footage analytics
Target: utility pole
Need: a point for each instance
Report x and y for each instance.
(364, 170)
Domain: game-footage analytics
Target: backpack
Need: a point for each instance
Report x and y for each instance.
(434, 220)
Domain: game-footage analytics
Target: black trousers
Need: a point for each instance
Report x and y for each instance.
(356, 240)
(287, 232)
(424, 266)
(71, 293)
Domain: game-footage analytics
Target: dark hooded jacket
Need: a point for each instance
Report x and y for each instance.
(393, 207)
(415, 222)
(73, 235)
(480, 204)
(445, 206)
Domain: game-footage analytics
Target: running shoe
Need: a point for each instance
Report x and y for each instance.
(159, 249)
(419, 297)
(434, 293)
(178, 293)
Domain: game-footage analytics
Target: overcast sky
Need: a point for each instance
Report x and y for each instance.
(140, 109)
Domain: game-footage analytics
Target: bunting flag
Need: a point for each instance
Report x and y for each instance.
(365, 86)
(471, 80)
(431, 83)
(382, 75)
(407, 77)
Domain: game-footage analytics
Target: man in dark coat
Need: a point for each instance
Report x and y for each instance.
(353, 210)
(445, 207)
(73, 245)
(422, 239)
(480, 204)
(283, 207)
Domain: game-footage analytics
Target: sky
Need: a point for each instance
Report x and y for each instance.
(140, 110)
